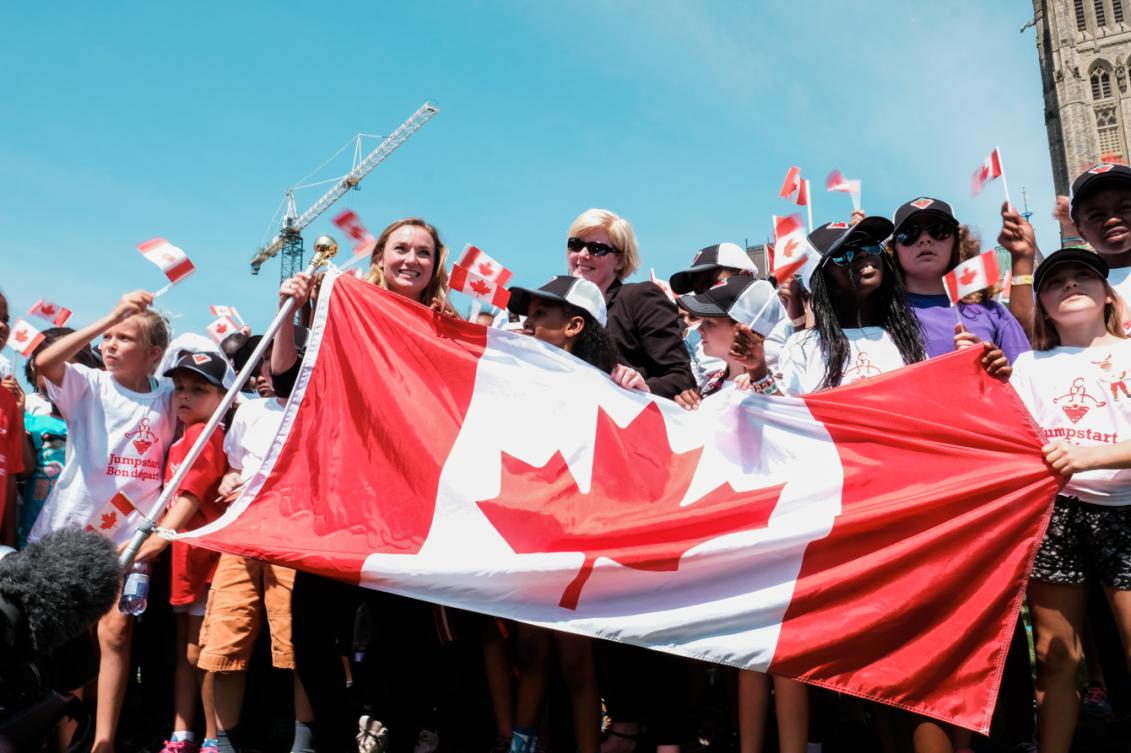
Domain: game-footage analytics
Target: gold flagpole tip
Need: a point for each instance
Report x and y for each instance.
(325, 247)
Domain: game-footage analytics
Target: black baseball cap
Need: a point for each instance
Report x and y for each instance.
(209, 365)
(829, 238)
(566, 289)
(1065, 256)
(922, 208)
(719, 256)
(744, 299)
(1095, 179)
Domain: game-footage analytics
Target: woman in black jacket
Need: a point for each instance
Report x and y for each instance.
(643, 324)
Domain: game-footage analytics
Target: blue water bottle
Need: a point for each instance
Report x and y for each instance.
(135, 593)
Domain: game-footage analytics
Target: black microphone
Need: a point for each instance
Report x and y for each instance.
(53, 590)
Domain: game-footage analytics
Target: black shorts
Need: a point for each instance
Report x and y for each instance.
(1086, 542)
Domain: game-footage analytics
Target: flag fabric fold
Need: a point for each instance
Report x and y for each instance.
(872, 539)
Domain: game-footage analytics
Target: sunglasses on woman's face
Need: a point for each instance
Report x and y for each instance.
(940, 231)
(845, 256)
(595, 248)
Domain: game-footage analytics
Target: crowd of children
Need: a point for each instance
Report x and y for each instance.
(367, 669)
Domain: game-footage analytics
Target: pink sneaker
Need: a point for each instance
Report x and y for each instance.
(210, 746)
(181, 746)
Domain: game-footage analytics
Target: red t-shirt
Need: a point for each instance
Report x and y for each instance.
(192, 566)
(11, 444)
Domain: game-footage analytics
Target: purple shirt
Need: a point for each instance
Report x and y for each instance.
(989, 320)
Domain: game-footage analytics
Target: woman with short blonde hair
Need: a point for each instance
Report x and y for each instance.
(643, 324)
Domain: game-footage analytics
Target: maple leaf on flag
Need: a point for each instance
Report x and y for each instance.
(221, 328)
(109, 519)
(47, 309)
(632, 513)
(790, 247)
(479, 287)
(968, 276)
(485, 268)
(19, 336)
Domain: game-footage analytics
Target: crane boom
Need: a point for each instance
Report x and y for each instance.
(293, 225)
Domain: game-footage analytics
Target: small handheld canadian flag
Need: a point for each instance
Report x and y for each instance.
(112, 516)
(792, 183)
(791, 250)
(476, 286)
(988, 171)
(837, 182)
(52, 312)
(172, 260)
(971, 276)
(221, 328)
(350, 224)
(476, 261)
(228, 311)
(24, 338)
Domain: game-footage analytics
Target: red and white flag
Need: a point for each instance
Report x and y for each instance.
(113, 515)
(52, 312)
(221, 328)
(792, 252)
(803, 194)
(483, 265)
(987, 171)
(971, 276)
(824, 538)
(172, 260)
(24, 338)
(350, 224)
(479, 287)
(837, 182)
(792, 183)
(228, 311)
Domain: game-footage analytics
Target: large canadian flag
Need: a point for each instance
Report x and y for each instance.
(874, 539)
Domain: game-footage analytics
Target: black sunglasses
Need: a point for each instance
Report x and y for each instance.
(845, 256)
(940, 231)
(595, 248)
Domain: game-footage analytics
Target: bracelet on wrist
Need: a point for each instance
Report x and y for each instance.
(798, 322)
(1022, 280)
(767, 385)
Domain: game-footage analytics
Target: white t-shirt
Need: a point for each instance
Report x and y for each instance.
(1082, 396)
(117, 441)
(253, 430)
(802, 364)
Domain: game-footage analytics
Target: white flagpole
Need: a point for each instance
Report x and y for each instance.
(809, 202)
(148, 523)
(1004, 182)
(162, 291)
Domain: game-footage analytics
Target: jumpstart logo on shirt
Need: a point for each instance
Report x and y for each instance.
(146, 469)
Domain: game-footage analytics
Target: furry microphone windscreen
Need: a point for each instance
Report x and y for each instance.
(62, 584)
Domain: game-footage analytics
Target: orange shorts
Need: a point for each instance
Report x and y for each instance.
(242, 590)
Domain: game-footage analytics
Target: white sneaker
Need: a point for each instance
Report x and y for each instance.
(372, 736)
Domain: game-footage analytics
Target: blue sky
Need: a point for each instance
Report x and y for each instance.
(126, 121)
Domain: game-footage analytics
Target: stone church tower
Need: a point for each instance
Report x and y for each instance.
(1084, 48)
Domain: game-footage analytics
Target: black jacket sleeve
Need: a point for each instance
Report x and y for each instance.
(655, 330)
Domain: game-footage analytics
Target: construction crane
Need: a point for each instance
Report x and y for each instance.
(289, 238)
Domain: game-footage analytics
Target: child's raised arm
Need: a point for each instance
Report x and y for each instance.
(52, 361)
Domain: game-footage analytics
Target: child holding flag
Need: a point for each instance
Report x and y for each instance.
(1074, 385)
(125, 418)
(198, 380)
(928, 242)
(570, 313)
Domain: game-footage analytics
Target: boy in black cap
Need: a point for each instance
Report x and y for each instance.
(1101, 208)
